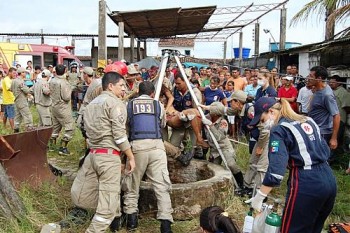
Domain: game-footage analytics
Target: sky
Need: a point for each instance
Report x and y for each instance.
(81, 16)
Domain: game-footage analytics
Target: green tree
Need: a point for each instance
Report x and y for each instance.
(332, 11)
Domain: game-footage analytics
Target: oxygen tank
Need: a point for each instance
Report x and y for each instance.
(273, 221)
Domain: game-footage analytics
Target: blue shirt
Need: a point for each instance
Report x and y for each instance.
(228, 94)
(250, 90)
(27, 81)
(213, 95)
(323, 107)
(294, 145)
(145, 76)
(268, 92)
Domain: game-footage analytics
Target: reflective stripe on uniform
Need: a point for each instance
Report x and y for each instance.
(101, 219)
(121, 140)
(316, 126)
(302, 147)
(279, 177)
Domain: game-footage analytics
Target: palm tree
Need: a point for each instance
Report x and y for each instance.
(334, 11)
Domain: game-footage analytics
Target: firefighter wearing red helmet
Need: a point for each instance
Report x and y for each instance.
(118, 66)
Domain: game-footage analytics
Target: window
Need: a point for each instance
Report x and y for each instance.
(188, 52)
(36, 61)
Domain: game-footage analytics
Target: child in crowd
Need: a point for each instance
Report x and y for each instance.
(229, 90)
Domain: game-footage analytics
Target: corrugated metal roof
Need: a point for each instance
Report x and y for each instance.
(163, 22)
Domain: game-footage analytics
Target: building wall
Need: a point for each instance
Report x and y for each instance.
(314, 59)
(180, 49)
(304, 64)
(112, 53)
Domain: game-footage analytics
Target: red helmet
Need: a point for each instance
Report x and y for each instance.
(118, 66)
(123, 67)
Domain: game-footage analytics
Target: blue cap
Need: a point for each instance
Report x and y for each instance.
(262, 105)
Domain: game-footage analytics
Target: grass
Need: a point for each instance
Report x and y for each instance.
(52, 202)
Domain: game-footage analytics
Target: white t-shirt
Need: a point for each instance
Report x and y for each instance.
(304, 98)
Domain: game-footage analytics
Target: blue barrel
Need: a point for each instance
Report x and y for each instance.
(245, 52)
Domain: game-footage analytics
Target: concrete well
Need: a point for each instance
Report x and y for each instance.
(195, 187)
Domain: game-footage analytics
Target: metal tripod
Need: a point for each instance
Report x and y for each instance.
(166, 55)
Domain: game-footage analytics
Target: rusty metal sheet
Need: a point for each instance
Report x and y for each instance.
(30, 163)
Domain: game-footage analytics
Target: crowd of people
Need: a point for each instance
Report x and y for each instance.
(302, 120)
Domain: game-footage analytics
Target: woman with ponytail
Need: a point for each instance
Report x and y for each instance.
(296, 143)
(214, 219)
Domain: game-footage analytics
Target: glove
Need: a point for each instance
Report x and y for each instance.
(257, 201)
(206, 121)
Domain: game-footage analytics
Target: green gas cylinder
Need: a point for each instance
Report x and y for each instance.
(273, 221)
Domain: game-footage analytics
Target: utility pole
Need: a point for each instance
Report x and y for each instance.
(102, 37)
(257, 38)
(121, 41)
(283, 26)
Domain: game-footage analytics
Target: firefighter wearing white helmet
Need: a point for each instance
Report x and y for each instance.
(73, 78)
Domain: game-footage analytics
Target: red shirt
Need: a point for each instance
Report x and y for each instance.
(289, 93)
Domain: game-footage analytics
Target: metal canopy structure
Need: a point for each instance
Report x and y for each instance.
(202, 24)
(163, 23)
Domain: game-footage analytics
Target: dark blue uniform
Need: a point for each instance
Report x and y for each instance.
(311, 184)
(268, 92)
(182, 102)
(145, 118)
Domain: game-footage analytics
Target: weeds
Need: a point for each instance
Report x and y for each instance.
(52, 202)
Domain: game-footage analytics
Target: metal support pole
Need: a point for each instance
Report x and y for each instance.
(73, 45)
(240, 48)
(121, 41)
(138, 53)
(144, 49)
(225, 48)
(102, 37)
(283, 31)
(257, 38)
(132, 47)
(161, 74)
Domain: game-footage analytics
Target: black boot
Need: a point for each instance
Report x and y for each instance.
(16, 130)
(117, 223)
(76, 216)
(165, 226)
(239, 179)
(185, 158)
(244, 191)
(198, 153)
(131, 222)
